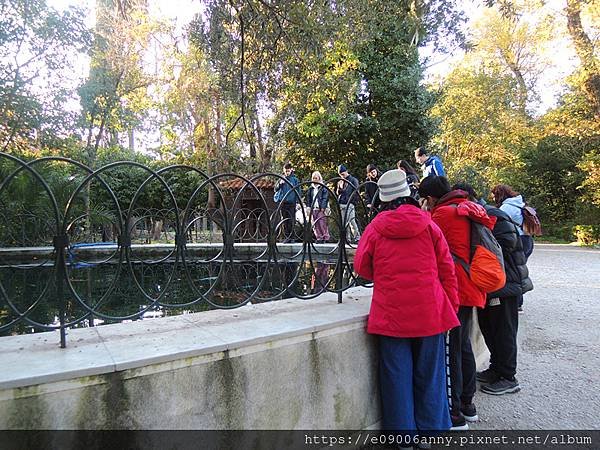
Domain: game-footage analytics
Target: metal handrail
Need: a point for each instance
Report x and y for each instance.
(73, 244)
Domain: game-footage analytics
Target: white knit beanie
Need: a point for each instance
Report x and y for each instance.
(392, 185)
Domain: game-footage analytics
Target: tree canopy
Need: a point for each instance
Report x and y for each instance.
(249, 84)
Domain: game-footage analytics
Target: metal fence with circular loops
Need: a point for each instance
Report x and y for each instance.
(82, 247)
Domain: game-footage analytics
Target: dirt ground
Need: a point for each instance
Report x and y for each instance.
(559, 347)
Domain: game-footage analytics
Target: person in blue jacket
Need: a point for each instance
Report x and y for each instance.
(431, 165)
(287, 193)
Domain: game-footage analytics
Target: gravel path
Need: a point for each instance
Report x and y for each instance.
(559, 347)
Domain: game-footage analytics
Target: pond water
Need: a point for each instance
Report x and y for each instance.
(117, 287)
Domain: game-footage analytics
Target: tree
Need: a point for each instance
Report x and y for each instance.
(586, 49)
(192, 110)
(296, 71)
(115, 95)
(480, 128)
(517, 39)
(37, 43)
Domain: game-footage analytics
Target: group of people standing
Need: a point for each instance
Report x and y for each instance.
(289, 195)
(423, 295)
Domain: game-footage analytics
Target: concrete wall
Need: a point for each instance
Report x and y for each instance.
(304, 364)
(291, 364)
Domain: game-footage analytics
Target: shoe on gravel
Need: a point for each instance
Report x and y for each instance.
(459, 423)
(502, 386)
(488, 376)
(469, 411)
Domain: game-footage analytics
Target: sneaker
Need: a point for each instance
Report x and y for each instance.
(459, 422)
(502, 386)
(469, 411)
(488, 376)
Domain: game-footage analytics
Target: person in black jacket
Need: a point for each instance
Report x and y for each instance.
(499, 320)
(411, 178)
(371, 188)
(347, 192)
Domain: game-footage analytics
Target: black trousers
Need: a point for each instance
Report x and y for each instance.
(499, 325)
(288, 211)
(461, 361)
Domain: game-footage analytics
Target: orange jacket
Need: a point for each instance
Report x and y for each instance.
(453, 214)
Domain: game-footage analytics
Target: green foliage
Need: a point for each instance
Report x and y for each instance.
(587, 234)
(37, 43)
(365, 102)
(479, 125)
(590, 186)
(114, 98)
(395, 98)
(340, 80)
(552, 178)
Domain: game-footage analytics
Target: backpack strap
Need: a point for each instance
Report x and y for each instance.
(462, 263)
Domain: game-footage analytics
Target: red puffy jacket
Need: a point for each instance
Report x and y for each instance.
(415, 288)
(453, 213)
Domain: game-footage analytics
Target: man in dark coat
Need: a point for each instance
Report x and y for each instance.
(499, 320)
(287, 193)
(347, 192)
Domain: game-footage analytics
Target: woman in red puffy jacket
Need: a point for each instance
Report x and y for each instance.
(414, 303)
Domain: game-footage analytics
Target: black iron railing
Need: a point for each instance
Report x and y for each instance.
(82, 247)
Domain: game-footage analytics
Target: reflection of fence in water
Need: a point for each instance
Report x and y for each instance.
(92, 251)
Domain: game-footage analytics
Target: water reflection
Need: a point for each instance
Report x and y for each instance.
(101, 289)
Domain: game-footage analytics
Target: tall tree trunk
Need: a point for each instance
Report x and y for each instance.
(585, 51)
(131, 138)
(511, 61)
(218, 129)
(264, 157)
(522, 99)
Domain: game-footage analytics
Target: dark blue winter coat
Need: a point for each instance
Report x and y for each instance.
(349, 193)
(322, 197)
(283, 191)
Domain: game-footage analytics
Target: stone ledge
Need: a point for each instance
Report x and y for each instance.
(36, 359)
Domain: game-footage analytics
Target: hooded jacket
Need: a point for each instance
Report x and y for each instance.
(453, 213)
(513, 207)
(506, 233)
(415, 288)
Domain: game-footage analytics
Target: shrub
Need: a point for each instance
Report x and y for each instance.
(587, 234)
